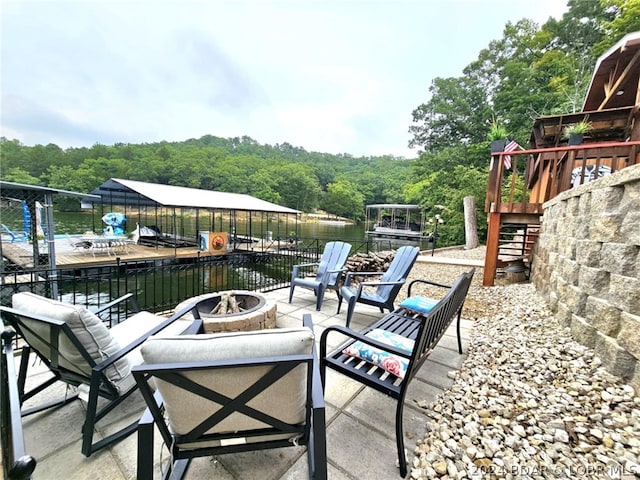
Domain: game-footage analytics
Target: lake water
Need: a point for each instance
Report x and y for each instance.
(161, 289)
(80, 222)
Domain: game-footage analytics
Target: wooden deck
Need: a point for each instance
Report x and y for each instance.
(66, 257)
(21, 254)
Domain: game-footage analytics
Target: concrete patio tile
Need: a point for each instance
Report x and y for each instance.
(436, 374)
(447, 356)
(269, 464)
(450, 341)
(339, 389)
(202, 468)
(48, 432)
(421, 393)
(379, 412)
(69, 464)
(360, 451)
(300, 470)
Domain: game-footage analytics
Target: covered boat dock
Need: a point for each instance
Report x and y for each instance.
(181, 217)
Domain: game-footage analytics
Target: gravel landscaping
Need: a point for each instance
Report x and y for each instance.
(528, 401)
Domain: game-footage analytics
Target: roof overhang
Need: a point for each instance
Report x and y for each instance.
(117, 191)
(395, 205)
(616, 78)
(19, 190)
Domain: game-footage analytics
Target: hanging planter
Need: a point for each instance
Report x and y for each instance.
(574, 133)
(575, 138)
(497, 136)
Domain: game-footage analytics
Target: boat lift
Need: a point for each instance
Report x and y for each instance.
(397, 224)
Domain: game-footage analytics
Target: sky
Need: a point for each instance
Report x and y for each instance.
(333, 76)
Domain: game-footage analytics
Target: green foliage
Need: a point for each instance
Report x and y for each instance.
(497, 131)
(19, 175)
(579, 128)
(448, 188)
(282, 174)
(344, 199)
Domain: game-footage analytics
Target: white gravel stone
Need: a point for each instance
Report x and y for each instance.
(528, 401)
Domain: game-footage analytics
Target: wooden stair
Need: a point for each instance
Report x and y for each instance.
(510, 239)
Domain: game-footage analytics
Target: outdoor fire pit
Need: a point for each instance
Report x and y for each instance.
(233, 311)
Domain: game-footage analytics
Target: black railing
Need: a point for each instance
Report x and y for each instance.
(160, 285)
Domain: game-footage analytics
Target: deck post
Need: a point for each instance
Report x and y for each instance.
(491, 256)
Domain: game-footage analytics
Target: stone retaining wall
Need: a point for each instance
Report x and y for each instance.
(586, 264)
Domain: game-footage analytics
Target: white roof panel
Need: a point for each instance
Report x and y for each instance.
(131, 192)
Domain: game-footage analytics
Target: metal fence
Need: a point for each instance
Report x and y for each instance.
(160, 285)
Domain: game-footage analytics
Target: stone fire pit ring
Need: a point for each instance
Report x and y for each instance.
(259, 313)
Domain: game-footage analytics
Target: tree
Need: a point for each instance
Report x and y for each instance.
(297, 186)
(621, 17)
(19, 175)
(456, 113)
(448, 189)
(344, 199)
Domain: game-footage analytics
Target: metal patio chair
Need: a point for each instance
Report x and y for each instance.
(82, 352)
(231, 392)
(16, 464)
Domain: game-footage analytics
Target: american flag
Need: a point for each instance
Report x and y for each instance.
(509, 147)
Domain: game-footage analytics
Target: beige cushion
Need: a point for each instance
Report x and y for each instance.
(285, 399)
(99, 341)
(87, 327)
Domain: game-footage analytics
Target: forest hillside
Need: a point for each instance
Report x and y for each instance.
(533, 70)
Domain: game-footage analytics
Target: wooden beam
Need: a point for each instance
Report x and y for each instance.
(614, 88)
(491, 255)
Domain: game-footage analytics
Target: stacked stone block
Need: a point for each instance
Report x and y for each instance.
(586, 264)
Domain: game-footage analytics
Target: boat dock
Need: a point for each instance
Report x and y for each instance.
(21, 253)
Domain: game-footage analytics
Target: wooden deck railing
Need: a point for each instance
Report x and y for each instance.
(538, 175)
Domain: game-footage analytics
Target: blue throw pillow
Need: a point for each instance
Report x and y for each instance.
(419, 304)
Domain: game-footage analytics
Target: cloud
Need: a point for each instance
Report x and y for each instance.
(30, 121)
(333, 76)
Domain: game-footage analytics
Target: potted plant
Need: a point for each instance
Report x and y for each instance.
(497, 136)
(575, 132)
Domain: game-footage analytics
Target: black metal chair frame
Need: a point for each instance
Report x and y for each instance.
(99, 384)
(426, 330)
(312, 432)
(16, 464)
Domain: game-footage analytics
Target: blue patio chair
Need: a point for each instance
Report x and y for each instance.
(386, 289)
(15, 236)
(328, 272)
